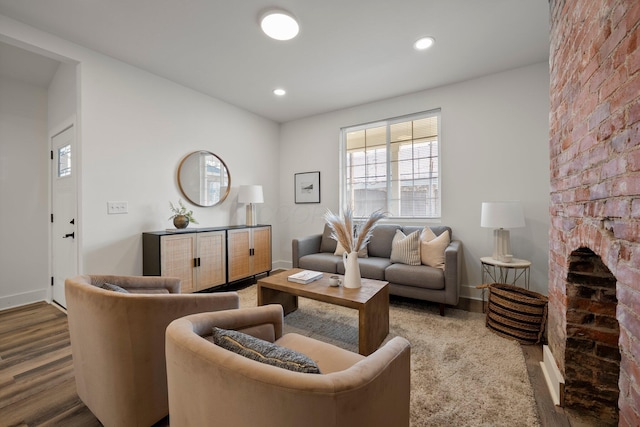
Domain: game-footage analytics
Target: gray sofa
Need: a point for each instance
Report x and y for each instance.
(413, 281)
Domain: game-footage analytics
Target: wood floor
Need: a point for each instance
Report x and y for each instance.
(37, 386)
(550, 414)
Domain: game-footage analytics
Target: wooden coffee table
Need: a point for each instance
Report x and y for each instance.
(371, 301)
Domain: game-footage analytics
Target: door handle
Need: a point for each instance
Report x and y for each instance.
(72, 235)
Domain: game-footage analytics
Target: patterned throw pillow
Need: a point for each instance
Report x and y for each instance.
(406, 249)
(432, 248)
(114, 288)
(264, 351)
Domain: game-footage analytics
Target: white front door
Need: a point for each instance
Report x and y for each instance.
(64, 230)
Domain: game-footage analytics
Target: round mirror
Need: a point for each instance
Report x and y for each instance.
(204, 178)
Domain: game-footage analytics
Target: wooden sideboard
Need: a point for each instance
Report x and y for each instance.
(207, 257)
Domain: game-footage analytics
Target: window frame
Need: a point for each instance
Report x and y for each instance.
(343, 196)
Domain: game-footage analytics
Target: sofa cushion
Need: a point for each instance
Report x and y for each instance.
(437, 229)
(406, 249)
(362, 253)
(408, 229)
(432, 248)
(370, 268)
(419, 276)
(380, 243)
(114, 288)
(263, 351)
(321, 261)
(327, 243)
(441, 229)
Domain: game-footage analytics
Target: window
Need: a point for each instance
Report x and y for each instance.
(64, 161)
(394, 166)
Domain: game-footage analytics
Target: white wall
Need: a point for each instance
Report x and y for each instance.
(134, 128)
(24, 262)
(62, 100)
(494, 147)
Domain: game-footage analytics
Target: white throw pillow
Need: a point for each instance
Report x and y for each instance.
(427, 235)
(432, 249)
(406, 249)
(363, 253)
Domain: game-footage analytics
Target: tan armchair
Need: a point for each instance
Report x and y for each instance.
(117, 342)
(209, 385)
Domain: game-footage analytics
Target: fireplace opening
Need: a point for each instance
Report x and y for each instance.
(592, 355)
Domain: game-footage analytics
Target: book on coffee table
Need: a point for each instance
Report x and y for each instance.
(306, 276)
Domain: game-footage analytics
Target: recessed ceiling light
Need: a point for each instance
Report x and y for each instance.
(424, 43)
(279, 92)
(279, 25)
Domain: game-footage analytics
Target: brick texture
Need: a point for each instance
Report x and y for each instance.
(595, 193)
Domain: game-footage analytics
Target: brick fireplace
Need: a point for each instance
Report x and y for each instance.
(594, 259)
(592, 356)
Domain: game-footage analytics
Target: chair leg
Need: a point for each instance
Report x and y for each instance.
(442, 309)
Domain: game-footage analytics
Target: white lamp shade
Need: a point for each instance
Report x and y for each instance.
(250, 194)
(502, 215)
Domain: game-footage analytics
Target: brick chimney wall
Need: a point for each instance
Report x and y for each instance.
(595, 168)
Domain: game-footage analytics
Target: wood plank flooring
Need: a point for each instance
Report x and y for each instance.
(550, 414)
(37, 386)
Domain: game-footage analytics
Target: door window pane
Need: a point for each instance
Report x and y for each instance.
(64, 161)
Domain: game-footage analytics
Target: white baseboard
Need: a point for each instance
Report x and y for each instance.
(470, 292)
(16, 300)
(284, 265)
(552, 375)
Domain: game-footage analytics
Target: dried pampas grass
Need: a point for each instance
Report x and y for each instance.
(353, 239)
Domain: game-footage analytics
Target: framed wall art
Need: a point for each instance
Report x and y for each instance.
(307, 187)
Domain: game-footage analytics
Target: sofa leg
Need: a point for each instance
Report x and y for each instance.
(441, 309)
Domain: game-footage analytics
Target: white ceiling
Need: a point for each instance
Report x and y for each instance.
(348, 52)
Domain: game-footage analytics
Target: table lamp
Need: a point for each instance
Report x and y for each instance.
(250, 195)
(500, 216)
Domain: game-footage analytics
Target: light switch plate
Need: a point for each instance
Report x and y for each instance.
(117, 208)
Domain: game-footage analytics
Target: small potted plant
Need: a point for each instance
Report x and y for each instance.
(181, 217)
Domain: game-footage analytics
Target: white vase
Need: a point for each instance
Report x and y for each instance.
(352, 277)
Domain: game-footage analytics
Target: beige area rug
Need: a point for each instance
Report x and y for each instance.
(461, 373)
